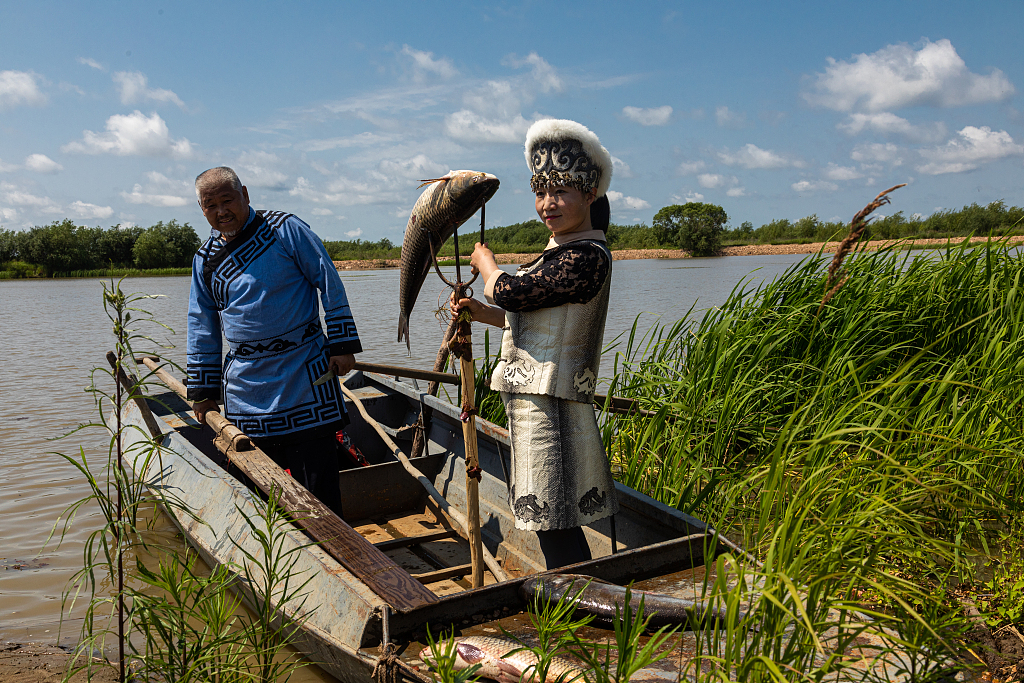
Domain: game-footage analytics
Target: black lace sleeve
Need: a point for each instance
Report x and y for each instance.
(571, 274)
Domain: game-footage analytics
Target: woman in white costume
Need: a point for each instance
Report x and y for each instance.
(553, 312)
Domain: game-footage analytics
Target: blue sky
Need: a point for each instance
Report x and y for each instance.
(333, 111)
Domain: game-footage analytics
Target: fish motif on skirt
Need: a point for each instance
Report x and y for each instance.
(561, 477)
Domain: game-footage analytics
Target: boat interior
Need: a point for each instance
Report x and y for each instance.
(393, 512)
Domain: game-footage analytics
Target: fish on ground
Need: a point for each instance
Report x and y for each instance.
(602, 599)
(447, 203)
(492, 654)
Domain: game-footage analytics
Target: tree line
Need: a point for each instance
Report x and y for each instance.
(699, 228)
(63, 247)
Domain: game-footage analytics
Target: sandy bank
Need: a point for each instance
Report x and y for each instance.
(36, 663)
(745, 250)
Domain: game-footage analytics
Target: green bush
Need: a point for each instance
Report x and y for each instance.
(166, 246)
(695, 226)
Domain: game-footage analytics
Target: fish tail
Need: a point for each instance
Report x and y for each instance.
(403, 330)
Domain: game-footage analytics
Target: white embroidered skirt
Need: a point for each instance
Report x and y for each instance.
(560, 473)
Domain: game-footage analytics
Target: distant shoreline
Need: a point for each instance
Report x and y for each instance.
(741, 250)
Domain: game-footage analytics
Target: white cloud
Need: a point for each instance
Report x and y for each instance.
(137, 196)
(352, 234)
(836, 172)
(19, 87)
(620, 168)
(7, 214)
(690, 167)
(877, 152)
(322, 212)
(7, 168)
(730, 119)
(655, 116)
(86, 210)
(133, 86)
(714, 180)
(40, 163)
(468, 126)
(687, 198)
(425, 64)
(888, 123)
(974, 147)
(634, 203)
(899, 76)
(15, 196)
(736, 192)
(132, 134)
(260, 169)
(751, 156)
(88, 61)
(544, 74)
(814, 186)
(419, 167)
(160, 190)
(346, 191)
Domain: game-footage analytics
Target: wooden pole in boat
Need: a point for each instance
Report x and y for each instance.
(462, 346)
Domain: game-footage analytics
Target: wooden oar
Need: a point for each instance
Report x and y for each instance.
(412, 373)
(367, 563)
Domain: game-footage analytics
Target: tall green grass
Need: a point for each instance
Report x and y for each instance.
(867, 454)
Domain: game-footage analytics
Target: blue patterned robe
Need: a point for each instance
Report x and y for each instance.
(260, 289)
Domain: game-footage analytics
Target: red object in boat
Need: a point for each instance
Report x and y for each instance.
(350, 450)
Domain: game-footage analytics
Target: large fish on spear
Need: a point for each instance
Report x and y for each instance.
(446, 204)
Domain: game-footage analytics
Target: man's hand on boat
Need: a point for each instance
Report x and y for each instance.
(201, 408)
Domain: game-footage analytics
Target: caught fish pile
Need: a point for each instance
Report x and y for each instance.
(602, 599)
(447, 203)
(490, 654)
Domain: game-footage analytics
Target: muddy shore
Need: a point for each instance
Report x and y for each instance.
(36, 663)
(745, 250)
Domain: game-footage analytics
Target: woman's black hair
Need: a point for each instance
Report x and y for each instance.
(600, 213)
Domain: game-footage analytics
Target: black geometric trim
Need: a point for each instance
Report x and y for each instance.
(275, 219)
(326, 409)
(213, 261)
(241, 257)
(342, 328)
(203, 374)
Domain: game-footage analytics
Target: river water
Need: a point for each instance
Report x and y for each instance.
(55, 331)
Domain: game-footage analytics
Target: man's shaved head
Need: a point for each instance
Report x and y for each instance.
(215, 177)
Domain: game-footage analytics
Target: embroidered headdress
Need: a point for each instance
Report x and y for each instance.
(563, 152)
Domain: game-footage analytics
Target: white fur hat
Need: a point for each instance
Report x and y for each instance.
(563, 152)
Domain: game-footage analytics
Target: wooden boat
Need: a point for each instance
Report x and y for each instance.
(664, 549)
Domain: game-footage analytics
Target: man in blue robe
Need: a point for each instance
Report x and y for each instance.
(260, 280)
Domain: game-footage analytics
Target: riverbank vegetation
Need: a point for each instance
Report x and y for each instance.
(868, 449)
(63, 249)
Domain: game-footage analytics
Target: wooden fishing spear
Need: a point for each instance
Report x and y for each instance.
(461, 346)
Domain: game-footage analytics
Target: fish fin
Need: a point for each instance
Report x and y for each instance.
(470, 653)
(424, 183)
(403, 330)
